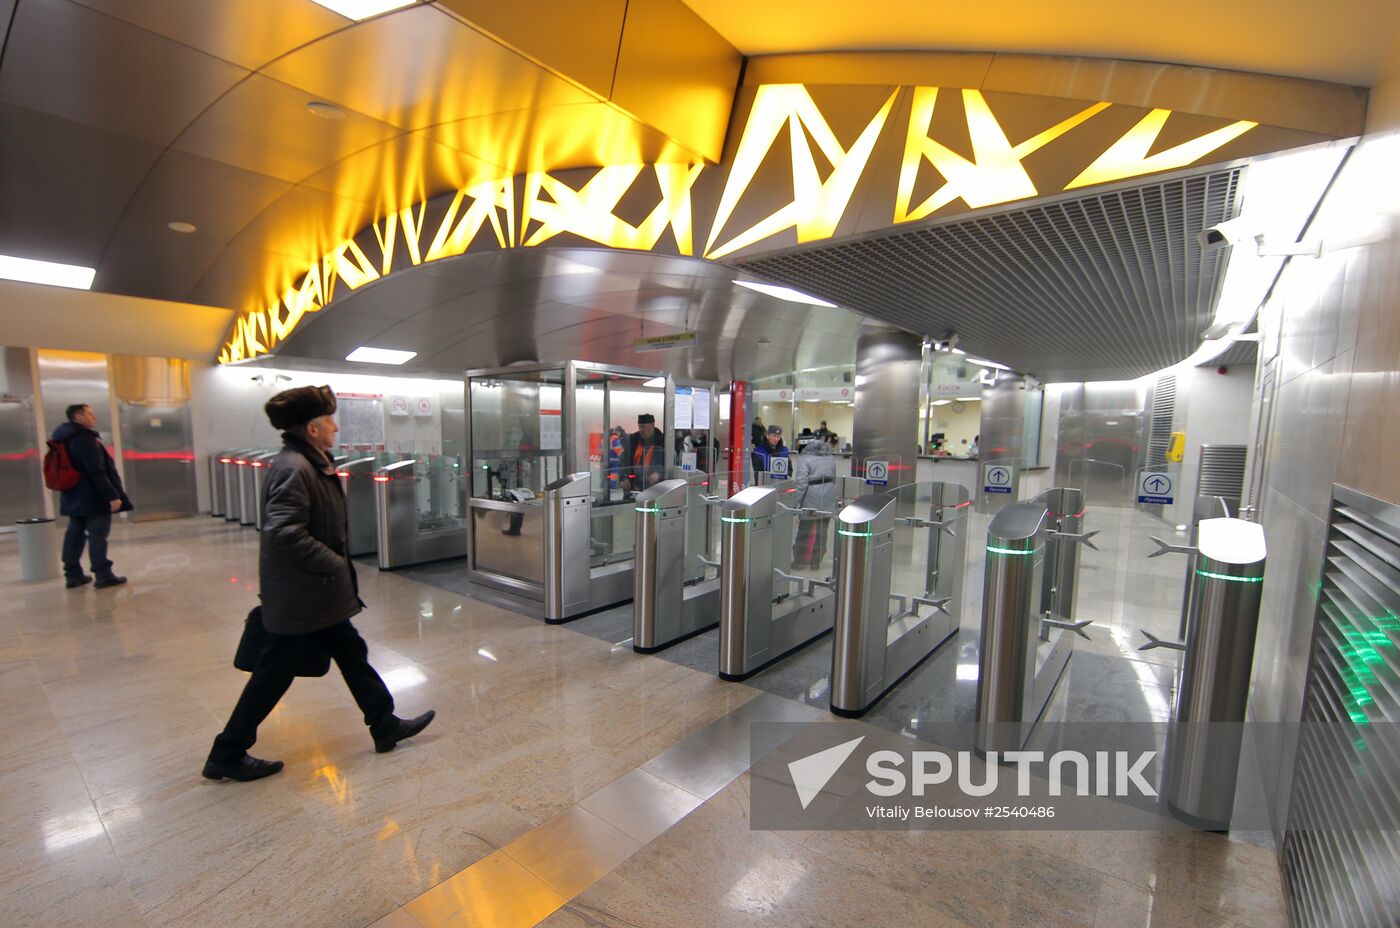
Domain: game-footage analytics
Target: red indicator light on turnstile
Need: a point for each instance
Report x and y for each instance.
(225, 460)
(382, 479)
(342, 473)
(240, 462)
(257, 463)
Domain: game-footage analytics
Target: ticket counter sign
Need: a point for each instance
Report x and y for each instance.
(1155, 487)
(996, 478)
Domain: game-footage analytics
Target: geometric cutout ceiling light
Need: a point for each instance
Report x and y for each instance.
(380, 355)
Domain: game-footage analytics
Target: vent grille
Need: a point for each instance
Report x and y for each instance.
(1159, 434)
(1106, 286)
(1222, 472)
(1337, 875)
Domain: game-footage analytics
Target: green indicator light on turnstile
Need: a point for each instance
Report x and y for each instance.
(995, 550)
(1214, 576)
(842, 531)
(736, 521)
(648, 509)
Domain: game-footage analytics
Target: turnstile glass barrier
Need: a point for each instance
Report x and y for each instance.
(418, 509)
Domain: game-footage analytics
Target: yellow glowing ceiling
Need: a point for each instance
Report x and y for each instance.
(826, 174)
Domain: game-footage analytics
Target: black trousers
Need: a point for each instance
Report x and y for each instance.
(275, 670)
(92, 532)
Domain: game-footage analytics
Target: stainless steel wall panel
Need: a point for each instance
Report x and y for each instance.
(888, 365)
(21, 484)
(1102, 440)
(68, 377)
(158, 462)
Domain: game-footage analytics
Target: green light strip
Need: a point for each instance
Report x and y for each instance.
(1213, 576)
(842, 531)
(645, 509)
(995, 550)
(736, 521)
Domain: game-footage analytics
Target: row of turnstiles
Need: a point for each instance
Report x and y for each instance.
(382, 500)
(765, 611)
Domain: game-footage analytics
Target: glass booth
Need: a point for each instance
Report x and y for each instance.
(531, 424)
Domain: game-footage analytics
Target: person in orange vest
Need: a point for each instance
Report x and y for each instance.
(646, 454)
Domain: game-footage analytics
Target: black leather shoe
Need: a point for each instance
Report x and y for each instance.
(74, 582)
(105, 582)
(247, 768)
(407, 728)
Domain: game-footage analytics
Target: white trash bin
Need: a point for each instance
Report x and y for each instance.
(38, 549)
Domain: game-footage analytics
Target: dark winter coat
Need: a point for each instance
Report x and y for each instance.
(307, 580)
(100, 484)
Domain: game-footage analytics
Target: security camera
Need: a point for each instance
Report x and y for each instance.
(1241, 229)
(946, 343)
(1230, 232)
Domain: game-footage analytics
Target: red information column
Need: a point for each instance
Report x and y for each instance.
(738, 433)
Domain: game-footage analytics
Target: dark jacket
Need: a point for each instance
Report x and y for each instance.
(645, 460)
(100, 483)
(307, 581)
(762, 456)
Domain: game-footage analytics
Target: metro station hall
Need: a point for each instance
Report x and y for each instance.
(699, 464)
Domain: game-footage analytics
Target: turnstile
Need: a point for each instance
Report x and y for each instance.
(874, 647)
(757, 626)
(248, 464)
(572, 585)
(216, 484)
(400, 539)
(258, 465)
(233, 507)
(357, 480)
(1026, 643)
(1225, 587)
(668, 604)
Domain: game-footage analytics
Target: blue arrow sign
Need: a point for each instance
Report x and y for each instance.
(1155, 487)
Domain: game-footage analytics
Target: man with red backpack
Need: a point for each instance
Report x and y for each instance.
(89, 500)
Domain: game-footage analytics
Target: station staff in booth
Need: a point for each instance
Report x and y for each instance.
(771, 447)
(617, 450)
(646, 454)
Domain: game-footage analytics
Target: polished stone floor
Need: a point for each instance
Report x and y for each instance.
(566, 781)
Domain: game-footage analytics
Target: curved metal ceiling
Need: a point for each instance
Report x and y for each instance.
(1344, 41)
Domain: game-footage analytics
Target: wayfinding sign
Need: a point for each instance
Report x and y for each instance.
(1155, 486)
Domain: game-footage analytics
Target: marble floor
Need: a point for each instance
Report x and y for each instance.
(566, 781)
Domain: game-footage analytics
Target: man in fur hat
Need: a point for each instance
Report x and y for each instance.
(308, 590)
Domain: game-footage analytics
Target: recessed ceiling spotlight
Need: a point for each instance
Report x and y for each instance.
(184, 228)
(325, 110)
(363, 9)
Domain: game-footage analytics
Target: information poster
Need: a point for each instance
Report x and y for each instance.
(551, 429)
(361, 420)
(684, 407)
(701, 409)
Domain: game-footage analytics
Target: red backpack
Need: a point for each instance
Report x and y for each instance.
(59, 472)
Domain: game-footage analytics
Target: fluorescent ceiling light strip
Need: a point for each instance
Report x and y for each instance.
(992, 364)
(46, 272)
(784, 293)
(380, 355)
(363, 9)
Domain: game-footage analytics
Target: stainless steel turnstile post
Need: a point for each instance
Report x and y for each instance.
(216, 484)
(757, 627)
(572, 586)
(362, 522)
(258, 465)
(233, 506)
(1225, 580)
(667, 609)
(247, 491)
(1026, 643)
(874, 646)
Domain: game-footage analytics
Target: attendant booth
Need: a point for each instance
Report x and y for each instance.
(531, 425)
